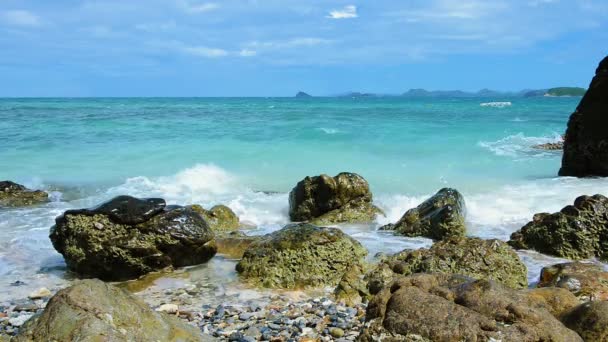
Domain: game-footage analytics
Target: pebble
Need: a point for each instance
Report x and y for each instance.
(42, 292)
(168, 308)
(336, 332)
(19, 320)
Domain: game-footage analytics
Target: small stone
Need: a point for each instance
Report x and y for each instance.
(245, 316)
(42, 292)
(274, 326)
(98, 225)
(26, 307)
(336, 332)
(168, 308)
(19, 320)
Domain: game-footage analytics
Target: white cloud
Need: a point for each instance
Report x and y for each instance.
(291, 43)
(203, 51)
(20, 18)
(347, 12)
(195, 8)
(247, 53)
(166, 26)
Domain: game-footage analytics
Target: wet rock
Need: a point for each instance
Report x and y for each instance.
(427, 307)
(301, 255)
(473, 257)
(588, 281)
(439, 217)
(234, 244)
(91, 310)
(163, 237)
(324, 200)
(219, 218)
(585, 152)
(17, 195)
(589, 320)
(578, 231)
(40, 293)
(556, 300)
(553, 146)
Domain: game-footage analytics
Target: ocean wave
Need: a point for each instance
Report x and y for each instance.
(518, 119)
(520, 145)
(496, 104)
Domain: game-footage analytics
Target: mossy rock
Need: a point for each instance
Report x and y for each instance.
(325, 200)
(439, 217)
(352, 288)
(578, 231)
(590, 320)
(301, 255)
(140, 236)
(94, 311)
(219, 218)
(588, 281)
(17, 195)
(473, 257)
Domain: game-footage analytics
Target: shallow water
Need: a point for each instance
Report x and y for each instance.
(248, 153)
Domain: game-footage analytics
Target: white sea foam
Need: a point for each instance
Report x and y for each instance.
(496, 104)
(329, 130)
(518, 119)
(520, 145)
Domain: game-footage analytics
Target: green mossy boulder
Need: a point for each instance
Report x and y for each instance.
(443, 307)
(352, 288)
(474, 257)
(127, 237)
(301, 255)
(17, 195)
(220, 218)
(437, 218)
(91, 311)
(325, 200)
(578, 231)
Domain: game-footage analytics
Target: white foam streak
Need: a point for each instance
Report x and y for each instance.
(520, 145)
(496, 104)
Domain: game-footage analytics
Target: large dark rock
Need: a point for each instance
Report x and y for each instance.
(92, 311)
(17, 195)
(578, 231)
(590, 320)
(438, 217)
(325, 200)
(474, 257)
(588, 281)
(127, 237)
(431, 307)
(301, 255)
(586, 143)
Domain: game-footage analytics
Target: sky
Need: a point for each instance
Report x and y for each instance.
(279, 47)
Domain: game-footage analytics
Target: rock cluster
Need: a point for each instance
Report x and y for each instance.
(324, 200)
(220, 218)
(127, 237)
(439, 217)
(588, 281)
(301, 255)
(578, 231)
(17, 195)
(585, 152)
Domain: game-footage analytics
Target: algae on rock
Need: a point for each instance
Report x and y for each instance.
(17, 195)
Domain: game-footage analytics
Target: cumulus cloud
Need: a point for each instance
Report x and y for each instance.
(20, 18)
(347, 12)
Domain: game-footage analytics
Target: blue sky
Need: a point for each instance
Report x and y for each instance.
(277, 47)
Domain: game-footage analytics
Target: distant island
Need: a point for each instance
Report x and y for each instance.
(302, 94)
(423, 93)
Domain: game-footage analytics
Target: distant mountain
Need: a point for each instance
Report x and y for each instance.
(566, 91)
(302, 94)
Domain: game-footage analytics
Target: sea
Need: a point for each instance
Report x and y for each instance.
(248, 153)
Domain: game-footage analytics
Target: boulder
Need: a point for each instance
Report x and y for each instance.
(219, 218)
(324, 200)
(352, 288)
(301, 255)
(234, 244)
(127, 237)
(92, 310)
(441, 307)
(17, 195)
(578, 231)
(585, 152)
(590, 320)
(588, 281)
(438, 217)
(474, 257)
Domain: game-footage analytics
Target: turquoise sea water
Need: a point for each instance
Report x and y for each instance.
(249, 152)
